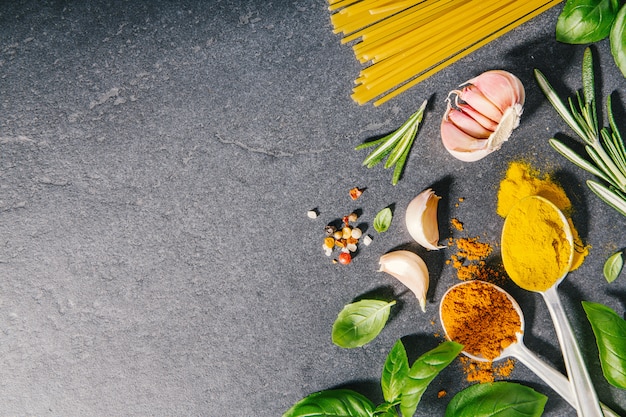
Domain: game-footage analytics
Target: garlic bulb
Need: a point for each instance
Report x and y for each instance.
(482, 114)
(421, 219)
(410, 270)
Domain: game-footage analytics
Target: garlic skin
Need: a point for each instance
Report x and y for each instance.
(482, 114)
(410, 270)
(421, 219)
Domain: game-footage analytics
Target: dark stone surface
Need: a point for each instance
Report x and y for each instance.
(157, 161)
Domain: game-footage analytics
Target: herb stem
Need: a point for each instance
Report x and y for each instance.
(395, 146)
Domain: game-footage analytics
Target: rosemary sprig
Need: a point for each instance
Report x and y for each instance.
(605, 147)
(395, 146)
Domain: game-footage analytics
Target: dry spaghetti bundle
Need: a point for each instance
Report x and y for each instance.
(402, 42)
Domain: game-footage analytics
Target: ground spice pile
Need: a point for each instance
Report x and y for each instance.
(480, 317)
(522, 180)
(470, 260)
(535, 248)
(483, 319)
(486, 371)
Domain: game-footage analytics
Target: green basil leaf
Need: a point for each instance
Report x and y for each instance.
(386, 410)
(423, 371)
(613, 266)
(617, 39)
(382, 221)
(586, 21)
(610, 331)
(501, 399)
(332, 403)
(394, 372)
(360, 322)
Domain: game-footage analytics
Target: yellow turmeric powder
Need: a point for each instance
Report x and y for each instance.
(480, 317)
(535, 248)
(522, 180)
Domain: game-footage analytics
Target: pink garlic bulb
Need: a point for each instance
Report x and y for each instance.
(481, 115)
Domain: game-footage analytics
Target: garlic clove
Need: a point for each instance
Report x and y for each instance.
(494, 100)
(470, 156)
(485, 122)
(421, 219)
(475, 98)
(456, 139)
(468, 125)
(500, 87)
(510, 120)
(408, 268)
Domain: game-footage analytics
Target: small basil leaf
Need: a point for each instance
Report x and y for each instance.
(394, 372)
(502, 399)
(360, 322)
(610, 331)
(586, 21)
(382, 221)
(423, 371)
(332, 403)
(617, 39)
(613, 266)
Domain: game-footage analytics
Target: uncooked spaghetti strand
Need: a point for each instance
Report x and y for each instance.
(367, 28)
(429, 47)
(414, 64)
(422, 33)
(465, 52)
(356, 16)
(385, 26)
(389, 41)
(394, 6)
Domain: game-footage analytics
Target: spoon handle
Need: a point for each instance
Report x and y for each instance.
(585, 396)
(555, 379)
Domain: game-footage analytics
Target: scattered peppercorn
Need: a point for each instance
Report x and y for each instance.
(345, 238)
(344, 258)
(356, 193)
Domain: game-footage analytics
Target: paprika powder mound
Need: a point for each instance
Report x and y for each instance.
(480, 317)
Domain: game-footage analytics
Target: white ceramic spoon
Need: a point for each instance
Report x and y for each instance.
(555, 380)
(586, 399)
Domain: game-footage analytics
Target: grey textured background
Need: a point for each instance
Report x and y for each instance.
(157, 160)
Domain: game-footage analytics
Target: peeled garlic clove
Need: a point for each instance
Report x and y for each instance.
(421, 219)
(494, 100)
(410, 270)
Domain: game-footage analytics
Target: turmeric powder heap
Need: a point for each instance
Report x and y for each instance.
(522, 180)
(480, 317)
(535, 248)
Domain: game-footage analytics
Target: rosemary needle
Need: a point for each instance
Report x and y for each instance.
(395, 146)
(605, 148)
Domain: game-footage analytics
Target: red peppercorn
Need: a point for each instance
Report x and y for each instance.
(344, 258)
